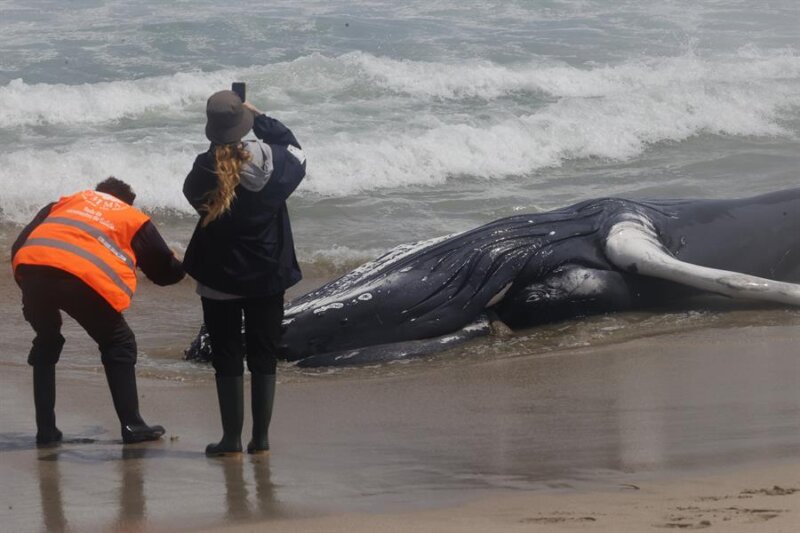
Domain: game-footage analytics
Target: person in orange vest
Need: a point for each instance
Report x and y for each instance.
(79, 255)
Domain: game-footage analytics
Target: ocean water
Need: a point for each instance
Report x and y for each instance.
(418, 118)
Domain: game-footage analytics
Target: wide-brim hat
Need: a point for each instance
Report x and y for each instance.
(227, 119)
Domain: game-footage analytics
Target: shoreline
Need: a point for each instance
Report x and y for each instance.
(691, 418)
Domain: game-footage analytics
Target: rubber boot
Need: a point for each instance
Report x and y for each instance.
(231, 409)
(262, 394)
(122, 383)
(44, 399)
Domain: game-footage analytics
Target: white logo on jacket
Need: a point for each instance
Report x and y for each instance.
(297, 153)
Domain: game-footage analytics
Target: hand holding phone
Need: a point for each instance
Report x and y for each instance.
(239, 88)
(253, 109)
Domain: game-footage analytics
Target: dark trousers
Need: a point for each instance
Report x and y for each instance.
(48, 291)
(262, 333)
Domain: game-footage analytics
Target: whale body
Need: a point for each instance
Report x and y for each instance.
(596, 256)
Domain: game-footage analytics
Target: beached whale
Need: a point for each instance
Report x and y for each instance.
(597, 256)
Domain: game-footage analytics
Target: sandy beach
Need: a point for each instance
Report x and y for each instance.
(694, 429)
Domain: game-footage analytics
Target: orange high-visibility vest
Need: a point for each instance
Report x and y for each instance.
(89, 235)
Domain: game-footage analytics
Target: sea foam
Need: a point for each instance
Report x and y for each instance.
(368, 122)
(608, 112)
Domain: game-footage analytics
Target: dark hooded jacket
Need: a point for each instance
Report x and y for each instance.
(249, 250)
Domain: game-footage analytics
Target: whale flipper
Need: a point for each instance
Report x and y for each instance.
(633, 246)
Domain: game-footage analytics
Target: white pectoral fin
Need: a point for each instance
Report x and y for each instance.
(633, 246)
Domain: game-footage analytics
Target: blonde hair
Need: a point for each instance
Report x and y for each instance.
(229, 160)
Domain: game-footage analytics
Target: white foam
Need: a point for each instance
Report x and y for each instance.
(618, 127)
(487, 80)
(339, 256)
(33, 178)
(23, 104)
(345, 112)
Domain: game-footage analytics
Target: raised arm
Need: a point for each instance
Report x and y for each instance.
(271, 130)
(288, 157)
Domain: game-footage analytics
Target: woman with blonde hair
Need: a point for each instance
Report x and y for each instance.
(242, 255)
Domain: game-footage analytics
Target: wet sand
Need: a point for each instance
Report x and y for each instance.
(721, 502)
(693, 419)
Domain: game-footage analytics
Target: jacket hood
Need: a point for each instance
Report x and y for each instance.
(257, 172)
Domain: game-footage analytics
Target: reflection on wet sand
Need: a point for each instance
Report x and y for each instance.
(241, 503)
(131, 492)
(268, 504)
(50, 492)
(132, 504)
(243, 500)
(237, 506)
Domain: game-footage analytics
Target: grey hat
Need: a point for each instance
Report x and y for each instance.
(228, 120)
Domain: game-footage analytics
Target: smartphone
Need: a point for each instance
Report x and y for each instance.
(239, 88)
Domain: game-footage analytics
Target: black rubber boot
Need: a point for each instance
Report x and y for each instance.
(262, 394)
(231, 409)
(44, 398)
(122, 383)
